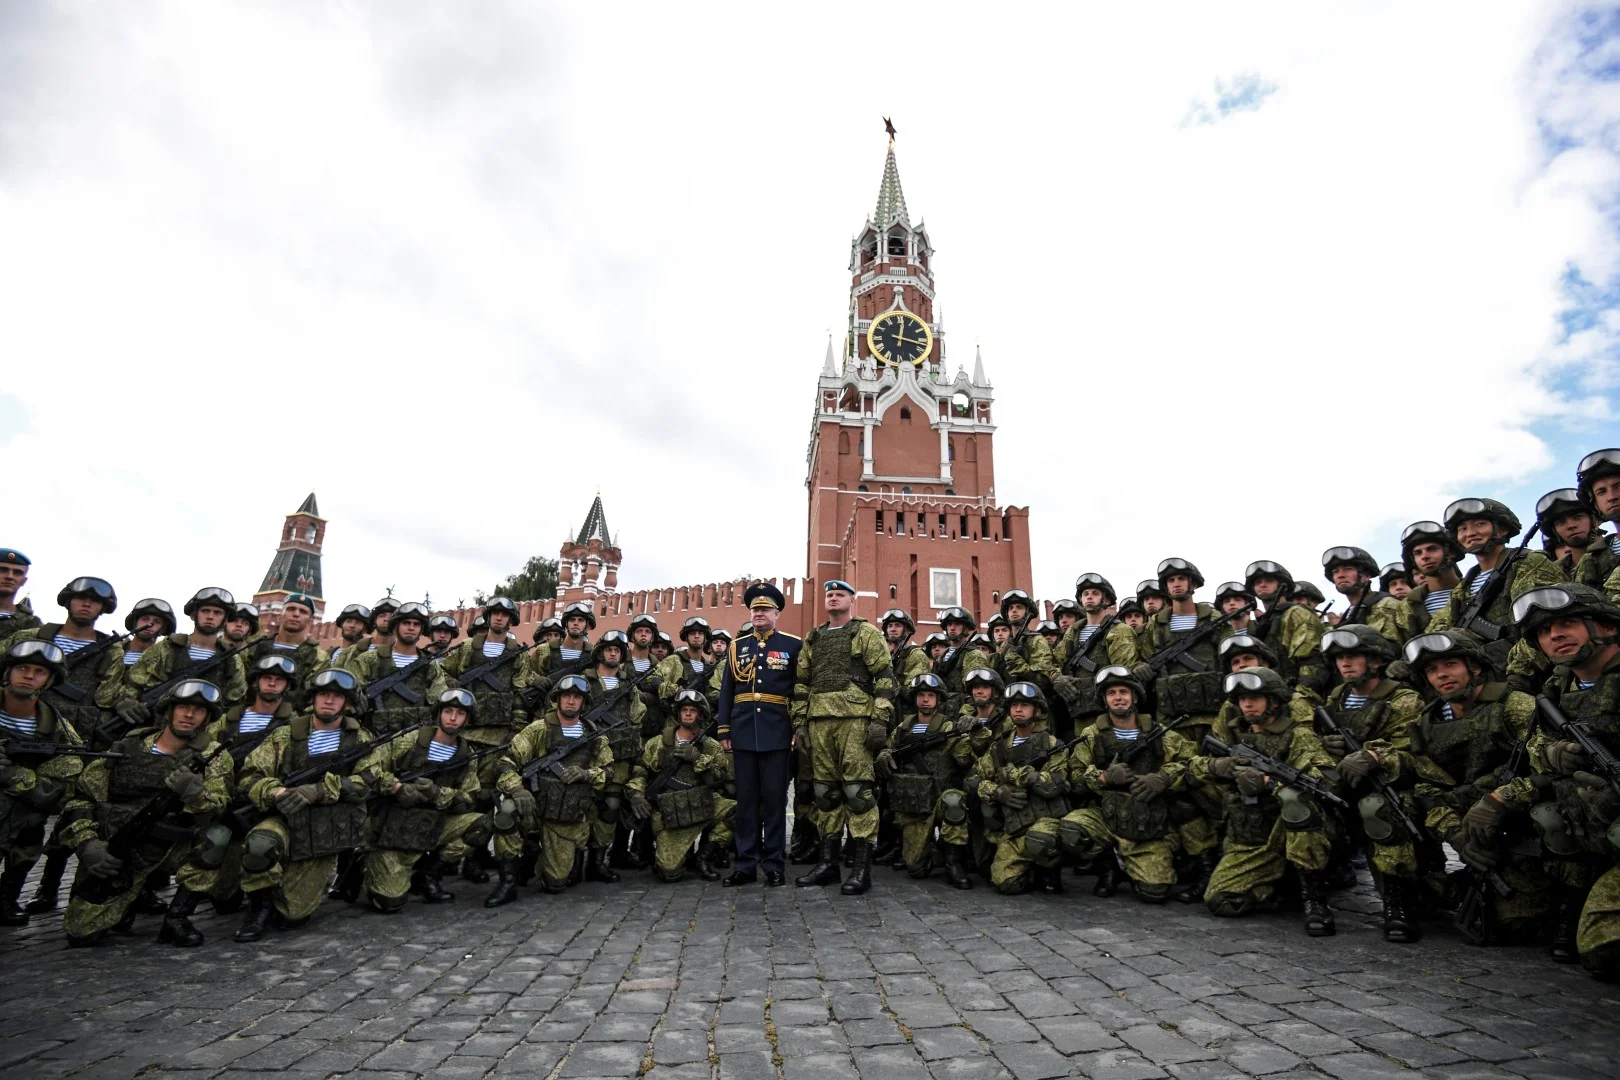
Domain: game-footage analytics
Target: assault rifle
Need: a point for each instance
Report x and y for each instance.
(485, 672)
(551, 761)
(667, 774)
(395, 681)
(532, 695)
(46, 748)
(935, 739)
(438, 768)
(1279, 771)
(1139, 747)
(248, 815)
(1604, 763)
(194, 670)
(77, 694)
(1392, 801)
(1473, 617)
(1473, 917)
(1179, 652)
(1081, 660)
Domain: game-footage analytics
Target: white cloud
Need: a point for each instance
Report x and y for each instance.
(457, 272)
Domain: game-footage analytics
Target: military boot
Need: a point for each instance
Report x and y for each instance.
(177, 928)
(1561, 949)
(887, 850)
(1192, 890)
(1050, 880)
(345, 860)
(506, 891)
(598, 866)
(956, 875)
(432, 890)
(706, 853)
(804, 844)
(147, 901)
(722, 855)
(1312, 897)
(258, 917)
(1108, 875)
(620, 854)
(50, 883)
(473, 867)
(860, 879)
(1400, 925)
(11, 883)
(829, 870)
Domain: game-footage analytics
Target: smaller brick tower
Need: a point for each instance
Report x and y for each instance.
(297, 565)
(588, 564)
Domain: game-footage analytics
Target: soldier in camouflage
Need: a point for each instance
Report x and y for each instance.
(1432, 554)
(1021, 789)
(925, 780)
(1236, 599)
(442, 634)
(194, 654)
(1568, 529)
(843, 702)
(960, 656)
(611, 820)
(175, 773)
(1598, 481)
(1101, 639)
(15, 615)
(410, 698)
(241, 626)
(547, 663)
(353, 623)
(293, 640)
(677, 789)
(1396, 580)
(1191, 685)
(1352, 571)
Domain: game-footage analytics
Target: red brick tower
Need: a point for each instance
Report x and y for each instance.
(901, 469)
(588, 564)
(297, 565)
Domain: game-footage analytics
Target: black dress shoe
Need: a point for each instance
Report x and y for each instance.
(740, 877)
(775, 878)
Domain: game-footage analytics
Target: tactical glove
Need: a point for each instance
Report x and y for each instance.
(1149, 787)
(408, 795)
(573, 774)
(1011, 797)
(1566, 757)
(523, 802)
(1357, 766)
(1047, 786)
(1068, 688)
(184, 783)
(133, 713)
(1477, 856)
(1118, 775)
(1335, 745)
(640, 807)
(98, 862)
(46, 794)
(1016, 775)
(877, 736)
(13, 777)
(295, 799)
(1483, 822)
(1223, 767)
(883, 765)
(687, 751)
(1250, 781)
(1601, 801)
(1143, 673)
(351, 790)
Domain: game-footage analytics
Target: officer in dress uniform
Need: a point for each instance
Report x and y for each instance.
(756, 685)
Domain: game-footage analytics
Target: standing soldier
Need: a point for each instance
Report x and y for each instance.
(753, 721)
(487, 663)
(1597, 478)
(442, 633)
(612, 821)
(1352, 571)
(843, 700)
(1293, 632)
(401, 683)
(1232, 598)
(1100, 640)
(126, 813)
(291, 853)
(906, 658)
(960, 656)
(426, 784)
(924, 765)
(559, 808)
(241, 625)
(353, 625)
(1066, 613)
(546, 664)
(15, 615)
(1192, 684)
(677, 790)
(662, 646)
(1433, 555)
(147, 621)
(293, 640)
(689, 666)
(197, 654)
(548, 631)
(33, 785)
(1021, 777)
(1396, 580)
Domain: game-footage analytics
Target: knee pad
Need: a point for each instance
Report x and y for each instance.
(1552, 829)
(1073, 840)
(611, 803)
(828, 796)
(1376, 820)
(953, 807)
(504, 817)
(211, 847)
(388, 905)
(1041, 847)
(479, 833)
(1151, 894)
(1229, 905)
(1014, 886)
(860, 796)
(1298, 812)
(260, 851)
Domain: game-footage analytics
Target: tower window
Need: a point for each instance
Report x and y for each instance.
(897, 245)
(905, 489)
(862, 487)
(905, 413)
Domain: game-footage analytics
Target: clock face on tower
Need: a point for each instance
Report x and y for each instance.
(899, 337)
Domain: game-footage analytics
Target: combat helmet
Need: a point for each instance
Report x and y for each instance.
(1175, 565)
(152, 606)
(1495, 512)
(34, 651)
(926, 681)
(1256, 680)
(93, 587)
(1594, 465)
(1091, 580)
(1351, 639)
(1348, 555)
(1238, 644)
(212, 595)
(1538, 607)
(1119, 675)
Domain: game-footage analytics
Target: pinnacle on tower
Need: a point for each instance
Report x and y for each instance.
(828, 371)
(308, 506)
(595, 524)
(891, 201)
(978, 368)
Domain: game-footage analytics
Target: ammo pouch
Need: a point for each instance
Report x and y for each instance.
(911, 793)
(1135, 819)
(624, 739)
(1197, 693)
(687, 807)
(1251, 825)
(1014, 822)
(325, 830)
(386, 720)
(563, 804)
(406, 828)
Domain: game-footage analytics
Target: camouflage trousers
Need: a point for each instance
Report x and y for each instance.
(671, 846)
(1084, 833)
(558, 844)
(1246, 876)
(298, 886)
(223, 882)
(388, 870)
(83, 919)
(803, 772)
(1017, 856)
(1597, 934)
(838, 757)
(611, 813)
(26, 842)
(917, 835)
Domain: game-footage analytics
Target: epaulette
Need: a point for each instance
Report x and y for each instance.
(785, 634)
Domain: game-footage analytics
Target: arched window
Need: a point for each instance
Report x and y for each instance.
(862, 487)
(897, 243)
(905, 489)
(843, 442)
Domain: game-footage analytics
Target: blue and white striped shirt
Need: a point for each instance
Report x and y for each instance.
(573, 730)
(641, 665)
(254, 721)
(438, 751)
(1129, 734)
(492, 649)
(1355, 701)
(919, 727)
(197, 652)
(569, 654)
(1479, 582)
(401, 660)
(1088, 631)
(324, 742)
(1434, 601)
(1020, 740)
(1180, 624)
(26, 725)
(155, 749)
(610, 682)
(285, 646)
(1445, 711)
(130, 658)
(68, 645)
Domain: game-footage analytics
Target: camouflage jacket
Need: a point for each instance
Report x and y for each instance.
(541, 737)
(15, 622)
(83, 819)
(1086, 762)
(713, 765)
(856, 686)
(266, 767)
(168, 656)
(454, 788)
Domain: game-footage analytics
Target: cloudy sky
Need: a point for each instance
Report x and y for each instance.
(1314, 271)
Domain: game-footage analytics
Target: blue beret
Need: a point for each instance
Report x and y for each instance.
(836, 583)
(300, 598)
(15, 558)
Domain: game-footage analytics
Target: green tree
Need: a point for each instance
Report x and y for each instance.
(536, 581)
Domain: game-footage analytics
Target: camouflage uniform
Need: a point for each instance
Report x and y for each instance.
(1385, 726)
(1531, 570)
(401, 835)
(925, 789)
(1025, 837)
(167, 657)
(625, 743)
(844, 695)
(16, 621)
(690, 803)
(308, 658)
(1113, 642)
(100, 683)
(33, 788)
(1294, 633)
(563, 810)
(390, 711)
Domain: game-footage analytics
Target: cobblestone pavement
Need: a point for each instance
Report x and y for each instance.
(695, 982)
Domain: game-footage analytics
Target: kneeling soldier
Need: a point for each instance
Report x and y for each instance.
(1021, 784)
(1270, 824)
(428, 781)
(135, 816)
(677, 790)
(564, 794)
(307, 781)
(1128, 762)
(925, 762)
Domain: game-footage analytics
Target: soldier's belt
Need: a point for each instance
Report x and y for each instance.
(767, 699)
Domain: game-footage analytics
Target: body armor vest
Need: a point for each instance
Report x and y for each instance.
(1499, 613)
(1366, 722)
(1088, 702)
(833, 665)
(1267, 627)
(324, 829)
(303, 658)
(1599, 709)
(898, 660)
(390, 712)
(1472, 749)
(1130, 818)
(1195, 692)
(494, 706)
(624, 738)
(86, 675)
(416, 828)
(1362, 610)
(557, 802)
(19, 812)
(924, 776)
(138, 777)
(686, 800)
(1014, 822)
(1251, 824)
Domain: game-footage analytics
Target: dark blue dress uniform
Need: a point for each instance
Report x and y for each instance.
(756, 686)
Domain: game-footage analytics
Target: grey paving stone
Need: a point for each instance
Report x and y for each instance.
(1121, 1064)
(947, 1042)
(890, 1063)
(1075, 1034)
(1032, 1061)
(1358, 1066)
(1002, 1027)
(1409, 1049)
(878, 1031)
